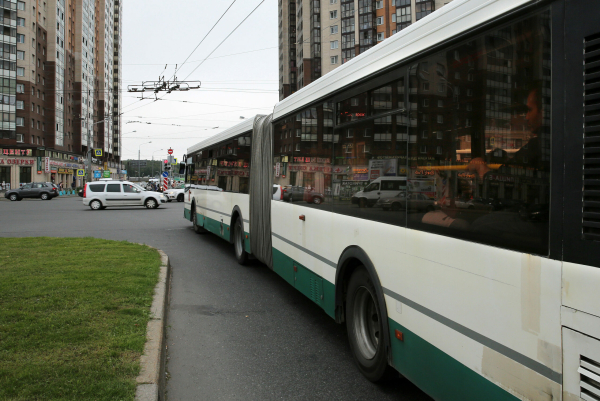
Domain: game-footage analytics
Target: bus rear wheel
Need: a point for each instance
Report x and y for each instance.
(365, 327)
(238, 242)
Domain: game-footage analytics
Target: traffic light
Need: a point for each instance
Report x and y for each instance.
(166, 166)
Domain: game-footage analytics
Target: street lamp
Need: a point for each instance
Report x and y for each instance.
(153, 160)
(139, 147)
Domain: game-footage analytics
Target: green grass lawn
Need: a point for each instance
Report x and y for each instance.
(73, 315)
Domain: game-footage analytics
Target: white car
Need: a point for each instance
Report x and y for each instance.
(174, 194)
(107, 193)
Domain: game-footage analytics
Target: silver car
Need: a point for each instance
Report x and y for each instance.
(108, 193)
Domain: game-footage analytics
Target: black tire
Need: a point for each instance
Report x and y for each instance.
(96, 205)
(317, 200)
(197, 229)
(365, 327)
(44, 196)
(180, 198)
(151, 203)
(13, 197)
(239, 242)
(362, 203)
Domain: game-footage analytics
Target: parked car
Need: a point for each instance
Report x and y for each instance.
(277, 192)
(174, 194)
(106, 193)
(32, 190)
(415, 201)
(380, 188)
(293, 193)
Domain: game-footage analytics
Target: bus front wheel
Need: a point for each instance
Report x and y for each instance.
(365, 327)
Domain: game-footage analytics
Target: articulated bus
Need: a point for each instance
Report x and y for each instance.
(457, 171)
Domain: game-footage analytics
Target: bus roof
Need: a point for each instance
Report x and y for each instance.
(234, 131)
(449, 21)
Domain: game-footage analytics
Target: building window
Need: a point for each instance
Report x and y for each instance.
(20, 122)
(21, 71)
(380, 36)
(20, 55)
(425, 102)
(425, 86)
(379, 4)
(334, 29)
(20, 38)
(440, 119)
(379, 20)
(20, 21)
(334, 59)
(333, 14)
(20, 5)
(440, 135)
(20, 88)
(334, 44)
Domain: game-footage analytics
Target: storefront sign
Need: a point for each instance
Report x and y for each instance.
(310, 168)
(65, 171)
(503, 178)
(106, 174)
(17, 161)
(17, 152)
(46, 164)
(378, 168)
(312, 160)
(225, 163)
(97, 173)
(62, 164)
(233, 172)
(277, 169)
(202, 171)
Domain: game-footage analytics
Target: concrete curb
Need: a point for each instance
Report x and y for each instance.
(151, 380)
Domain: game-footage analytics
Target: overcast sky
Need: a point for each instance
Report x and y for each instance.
(238, 79)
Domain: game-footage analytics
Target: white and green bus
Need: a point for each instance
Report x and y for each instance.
(438, 194)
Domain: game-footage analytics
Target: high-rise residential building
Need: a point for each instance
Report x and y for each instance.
(317, 36)
(117, 81)
(60, 90)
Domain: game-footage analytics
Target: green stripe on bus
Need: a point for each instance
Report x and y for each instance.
(316, 288)
(187, 214)
(214, 226)
(437, 373)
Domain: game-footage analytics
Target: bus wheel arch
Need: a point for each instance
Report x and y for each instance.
(353, 259)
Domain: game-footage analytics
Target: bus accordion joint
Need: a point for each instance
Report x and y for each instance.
(302, 217)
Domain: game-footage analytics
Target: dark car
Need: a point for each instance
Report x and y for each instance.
(32, 190)
(293, 193)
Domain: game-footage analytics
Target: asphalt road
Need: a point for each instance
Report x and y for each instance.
(234, 332)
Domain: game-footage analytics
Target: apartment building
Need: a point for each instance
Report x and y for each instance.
(59, 95)
(317, 36)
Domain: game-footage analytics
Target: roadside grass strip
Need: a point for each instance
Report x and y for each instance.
(73, 316)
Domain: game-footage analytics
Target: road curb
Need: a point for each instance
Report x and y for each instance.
(151, 380)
